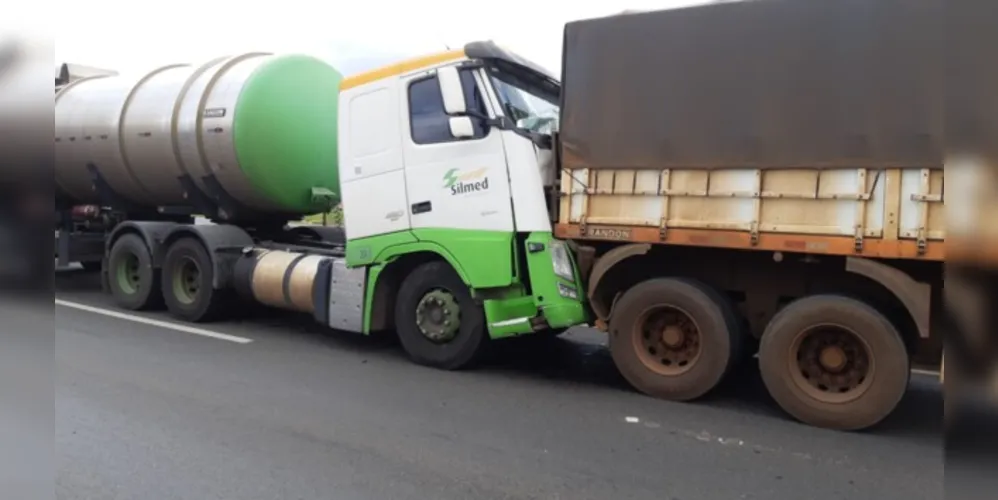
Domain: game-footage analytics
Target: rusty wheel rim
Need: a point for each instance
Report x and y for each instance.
(831, 363)
(667, 340)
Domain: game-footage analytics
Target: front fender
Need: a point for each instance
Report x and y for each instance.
(602, 267)
(391, 253)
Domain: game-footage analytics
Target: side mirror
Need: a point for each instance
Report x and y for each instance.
(451, 91)
(461, 127)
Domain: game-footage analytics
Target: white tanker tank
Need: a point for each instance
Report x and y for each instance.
(255, 131)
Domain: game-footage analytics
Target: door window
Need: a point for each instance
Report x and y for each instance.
(428, 121)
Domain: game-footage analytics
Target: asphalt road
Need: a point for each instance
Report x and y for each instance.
(145, 411)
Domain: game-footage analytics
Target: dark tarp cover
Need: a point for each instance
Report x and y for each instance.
(761, 84)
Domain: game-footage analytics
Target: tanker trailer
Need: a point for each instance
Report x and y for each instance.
(247, 141)
(239, 139)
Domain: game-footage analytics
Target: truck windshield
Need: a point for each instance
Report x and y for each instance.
(528, 98)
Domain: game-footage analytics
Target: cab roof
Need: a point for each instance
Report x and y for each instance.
(473, 50)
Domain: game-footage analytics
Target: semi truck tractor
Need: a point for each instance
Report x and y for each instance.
(447, 238)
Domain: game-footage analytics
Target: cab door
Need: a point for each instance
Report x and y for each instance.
(452, 183)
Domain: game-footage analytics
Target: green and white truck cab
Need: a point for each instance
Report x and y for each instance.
(434, 165)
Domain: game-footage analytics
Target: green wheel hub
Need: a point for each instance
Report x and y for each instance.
(438, 316)
(186, 281)
(127, 274)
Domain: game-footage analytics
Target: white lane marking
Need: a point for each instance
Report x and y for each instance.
(632, 420)
(153, 322)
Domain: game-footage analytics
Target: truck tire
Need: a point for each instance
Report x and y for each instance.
(187, 283)
(438, 322)
(834, 362)
(674, 339)
(133, 282)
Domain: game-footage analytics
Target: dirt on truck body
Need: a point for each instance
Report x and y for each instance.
(766, 173)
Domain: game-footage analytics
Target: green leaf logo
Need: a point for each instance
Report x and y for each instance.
(450, 178)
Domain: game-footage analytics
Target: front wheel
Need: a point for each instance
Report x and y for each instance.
(674, 339)
(438, 323)
(834, 362)
(187, 283)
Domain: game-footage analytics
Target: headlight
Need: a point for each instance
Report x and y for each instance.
(561, 261)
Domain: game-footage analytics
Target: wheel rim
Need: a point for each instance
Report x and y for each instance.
(127, 274)
(438, 316)
(831, 363)
(667, 340)
(186, 280)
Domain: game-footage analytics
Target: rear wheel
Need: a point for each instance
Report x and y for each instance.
(187, 283)
(673, 339)
(133, 282)
(834, 362)
(438, 323)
